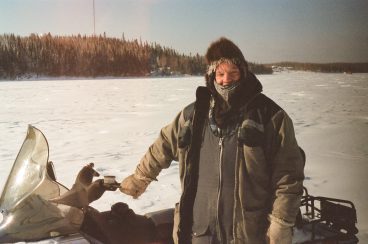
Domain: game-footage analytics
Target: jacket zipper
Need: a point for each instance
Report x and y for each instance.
(221, 145)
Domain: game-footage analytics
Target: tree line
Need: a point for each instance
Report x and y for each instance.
(89, 56)
(325, 67)
(92, 56)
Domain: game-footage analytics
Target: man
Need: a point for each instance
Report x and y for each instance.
(241, 169)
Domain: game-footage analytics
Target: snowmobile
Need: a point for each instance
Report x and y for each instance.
(35, 208)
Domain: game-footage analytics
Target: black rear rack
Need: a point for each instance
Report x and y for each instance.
(328, 218)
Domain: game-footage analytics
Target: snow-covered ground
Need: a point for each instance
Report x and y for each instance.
(113, 121)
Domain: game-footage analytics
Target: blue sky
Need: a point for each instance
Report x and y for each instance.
(265, 30)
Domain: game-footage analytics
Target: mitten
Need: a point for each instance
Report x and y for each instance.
(134, 185)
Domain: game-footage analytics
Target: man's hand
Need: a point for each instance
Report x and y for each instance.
(134, 185)
(84, 191)
(85, 175)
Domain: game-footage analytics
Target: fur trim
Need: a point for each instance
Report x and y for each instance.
(213, 66)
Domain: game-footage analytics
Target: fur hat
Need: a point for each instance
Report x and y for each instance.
(224, 50)
(220, 51)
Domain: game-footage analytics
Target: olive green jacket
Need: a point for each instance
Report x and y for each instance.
(269, 168)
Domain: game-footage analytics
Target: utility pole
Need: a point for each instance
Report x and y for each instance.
(94, 19)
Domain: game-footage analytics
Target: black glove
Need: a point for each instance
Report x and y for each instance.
(118, 226)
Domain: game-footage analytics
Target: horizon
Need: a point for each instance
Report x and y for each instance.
(308, 31)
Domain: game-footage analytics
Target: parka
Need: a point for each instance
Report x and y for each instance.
(268, 169)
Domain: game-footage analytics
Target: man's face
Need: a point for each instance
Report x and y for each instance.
(227, 73)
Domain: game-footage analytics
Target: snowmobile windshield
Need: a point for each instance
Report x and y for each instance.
(28, 169)
(26, 212)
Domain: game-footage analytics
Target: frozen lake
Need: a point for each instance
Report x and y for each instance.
(113, 121)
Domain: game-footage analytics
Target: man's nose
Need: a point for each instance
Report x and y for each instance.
(226, 79)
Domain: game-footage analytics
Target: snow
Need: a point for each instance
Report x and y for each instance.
(111, 122)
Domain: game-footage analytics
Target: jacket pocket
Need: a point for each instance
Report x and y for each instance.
(255, 226)
(251, 137)
(256, 164)
(200, 230)
(256, 187)
(185, 136)
(200, 224)
(254, 153)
